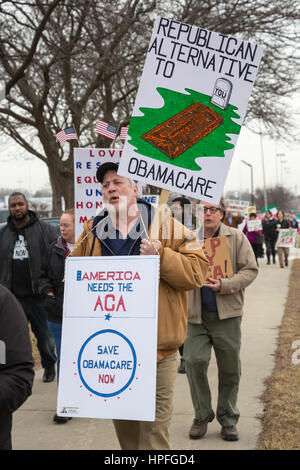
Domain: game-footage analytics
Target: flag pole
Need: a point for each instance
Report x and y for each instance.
(117, 131)
(76, 134)
(157, 219)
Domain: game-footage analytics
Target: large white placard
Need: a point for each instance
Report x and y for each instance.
(189, 109)
(109, 338)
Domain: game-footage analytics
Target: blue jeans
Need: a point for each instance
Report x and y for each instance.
(56, 329)
(35, 313)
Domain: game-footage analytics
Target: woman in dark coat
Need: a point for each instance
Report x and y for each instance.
(51, 284)
(270, 235)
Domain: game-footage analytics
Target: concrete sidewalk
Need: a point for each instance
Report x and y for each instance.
(33, 428)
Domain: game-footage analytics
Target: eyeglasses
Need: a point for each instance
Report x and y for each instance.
(212, 210)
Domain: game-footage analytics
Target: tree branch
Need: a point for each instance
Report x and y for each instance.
(20, 73)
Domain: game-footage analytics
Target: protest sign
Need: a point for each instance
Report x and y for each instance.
(287, 237)
(87, 190)
(217, 253)
(151, 199)
(189, 109)
(252, 210)
(254, 225)
(109, 338)
(236, 205)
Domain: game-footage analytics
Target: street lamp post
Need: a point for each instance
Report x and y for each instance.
(251, 168)
(287, 171)
(278, 155)
(282, 168)
(263, 168)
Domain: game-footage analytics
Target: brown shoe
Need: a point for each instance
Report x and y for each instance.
(199, 428)
(229, 433)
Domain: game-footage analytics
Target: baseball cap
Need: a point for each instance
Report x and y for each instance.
(104, 168)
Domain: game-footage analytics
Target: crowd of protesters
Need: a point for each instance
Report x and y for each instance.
(31, 291)
(266, 233)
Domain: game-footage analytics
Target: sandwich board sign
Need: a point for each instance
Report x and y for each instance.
(189, 109)
(109, 338)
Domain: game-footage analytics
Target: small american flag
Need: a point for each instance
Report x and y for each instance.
(66, 134)
(123, 133)
(106, 129)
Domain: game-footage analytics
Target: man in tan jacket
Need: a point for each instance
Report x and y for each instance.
(214, 320)
(122, 229)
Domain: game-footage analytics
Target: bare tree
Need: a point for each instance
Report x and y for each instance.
(89, 57)
(20, 72)
(85, 67)
(277, 196)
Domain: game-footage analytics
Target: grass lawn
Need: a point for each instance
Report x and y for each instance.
(281, 419)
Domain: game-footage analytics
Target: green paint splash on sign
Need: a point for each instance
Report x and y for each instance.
(212, 145)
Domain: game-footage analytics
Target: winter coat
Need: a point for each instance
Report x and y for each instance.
(51, 280)
(16, 362)
(233, 220)
(230, 299)
(283, 224)
(183, 267)
(252, 236)
(38, 235)
(269, 226)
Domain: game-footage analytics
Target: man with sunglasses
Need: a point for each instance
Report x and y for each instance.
(215, 312)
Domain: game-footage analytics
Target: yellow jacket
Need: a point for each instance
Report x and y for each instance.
(183, 267)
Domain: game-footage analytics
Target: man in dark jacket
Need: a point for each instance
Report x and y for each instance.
(16, 363)
(24, 241)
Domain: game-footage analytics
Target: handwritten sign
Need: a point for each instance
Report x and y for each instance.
(254, 225)
(87, 189)
(109, 338)
(217, 253)
(287, 238)
(189, 109)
